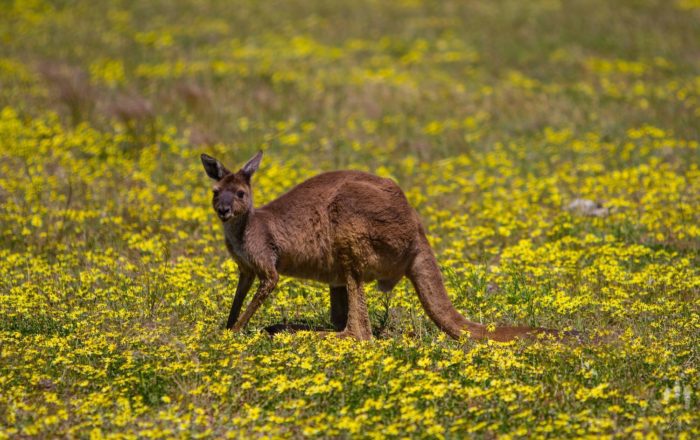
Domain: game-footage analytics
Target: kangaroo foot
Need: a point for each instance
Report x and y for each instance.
(349, 334)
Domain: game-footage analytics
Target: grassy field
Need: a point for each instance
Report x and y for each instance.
(493, 116)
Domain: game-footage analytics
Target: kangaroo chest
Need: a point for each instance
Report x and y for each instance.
(236, 247)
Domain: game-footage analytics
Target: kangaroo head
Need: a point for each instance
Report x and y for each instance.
(232, 194)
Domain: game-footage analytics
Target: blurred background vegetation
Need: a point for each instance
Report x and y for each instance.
(248, 73)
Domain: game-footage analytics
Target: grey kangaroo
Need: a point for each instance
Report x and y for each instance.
(342, 228)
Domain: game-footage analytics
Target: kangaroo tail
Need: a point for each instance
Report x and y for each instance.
(425, 275)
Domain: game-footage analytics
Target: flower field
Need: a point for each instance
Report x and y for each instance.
(552, 149)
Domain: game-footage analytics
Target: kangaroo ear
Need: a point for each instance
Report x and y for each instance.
(213, 167)
(252, 165)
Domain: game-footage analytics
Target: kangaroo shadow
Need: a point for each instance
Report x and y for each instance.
(293, 327)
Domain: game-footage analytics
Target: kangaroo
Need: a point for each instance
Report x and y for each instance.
(342, 228)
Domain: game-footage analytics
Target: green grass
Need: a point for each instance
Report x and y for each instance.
(491, 115)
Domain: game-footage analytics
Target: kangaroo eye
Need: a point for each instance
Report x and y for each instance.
(240, 194)
(216, 191)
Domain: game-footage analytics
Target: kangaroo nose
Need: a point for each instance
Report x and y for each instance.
(223, 211)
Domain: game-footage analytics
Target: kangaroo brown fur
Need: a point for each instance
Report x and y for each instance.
(343, 228)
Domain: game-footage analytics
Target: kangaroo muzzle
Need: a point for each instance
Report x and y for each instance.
(224, 207)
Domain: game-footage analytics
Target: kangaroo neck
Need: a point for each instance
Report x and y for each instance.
(235, 229)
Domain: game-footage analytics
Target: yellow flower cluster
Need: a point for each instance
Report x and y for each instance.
(559, 181)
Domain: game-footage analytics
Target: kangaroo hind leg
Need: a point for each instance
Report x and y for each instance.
(387, 285)
(358, 324)
(339, 307)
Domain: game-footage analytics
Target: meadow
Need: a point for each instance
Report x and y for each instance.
(493, 116)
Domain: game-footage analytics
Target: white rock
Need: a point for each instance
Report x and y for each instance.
(587, 207)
